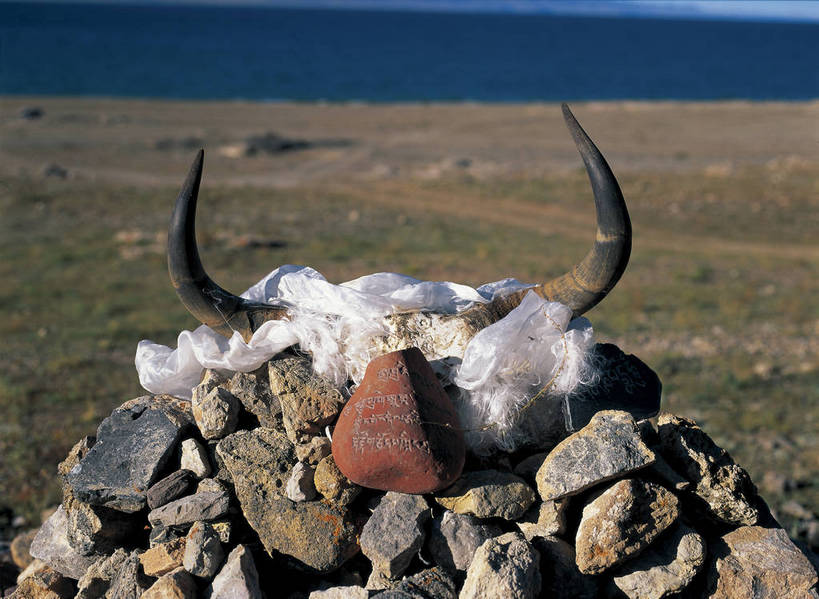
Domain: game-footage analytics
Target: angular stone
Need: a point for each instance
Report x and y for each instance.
(394, 533)
(624, 382)
(187, 510)
(51, 545)
(759, 563)
(223, 529)
(332, 484)
(216, 411)
(20, 546)
(46, 583)
(262, 458)
(431, 583)
(253, 390)
(664, 568)
(238, 578)
(33, 568)
(163, 558)
(97, 579)
(545, 519)
(75, 455)
(129, 582)
(194, 458)
(211, 485)
(169, 488)
(560, 577)
(164, 534)
(300, 486)
(309, 402)
(608, 447)
(454, 538)
(95, 529)
(724, 487)
(621, 522)
(133, 445)
(203, 550)
(488, 494)
(341, 592)
(505, 567)
(173, 585)
(399, 431)
(314, 450)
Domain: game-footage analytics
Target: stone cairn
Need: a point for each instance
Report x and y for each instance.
(240, 492)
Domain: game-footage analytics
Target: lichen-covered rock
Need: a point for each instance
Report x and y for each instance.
(216, 411)
(430, 583)
(394, 533)
(189, 509)
(177, 584)
(488, 494)
(20, 546)
(194, 458)
(252, 389)
(261, 458)
(97, 578)
(759, 563)
(163, 558)
(169, 488)
(725, 488)
(454, 538)
(608, 447)
(664, 568)
(300, 486)
(133, 446)
(203, 550)
(560, 576)
(332, 484)
(621, 522)
(544, 519)
(238, 578)
(308, 401)
(505, 567)
(51, 545)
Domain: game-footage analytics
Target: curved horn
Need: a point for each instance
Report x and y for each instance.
(210, 304)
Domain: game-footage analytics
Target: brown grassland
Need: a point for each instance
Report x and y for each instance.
(720, 296)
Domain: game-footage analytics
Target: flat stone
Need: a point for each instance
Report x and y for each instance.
(46, 583)
(430, 583)
(505, 567)
(624, 383)
(238, 578)
(97, 579)
(169, 488)
(216, 411)
(394, 533)
(759, 563)
(129, 582)
(163, 558)
(187, 510)
(20, 546)
(608, 447)
(488, 494)
(560, 576)
(399, 431)
(173, 585)
(96, 529)
(314, 450)
(723, 486)
(332, 484)
(51, 545)
(203, 550)
(664, 568)
(300, 486)
(544, 519)
(194, 458)
(621, 522)
(309, 402)
(252, 389)
(133, 446)
(454, 538)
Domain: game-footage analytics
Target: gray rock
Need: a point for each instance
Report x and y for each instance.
(129, 582)
(314, 450)
(216, 411)
(133, 445)
(238, 578)
(394, 533)
(51, 546)
(262, 457)
(177, 584)
(560, 576)
(95, 529)
(187, 510)
(488, 494)
(300, 486)
(433, 583)
(341, 592)
(454, 538)
(253, 391)
(203, 550)
(621, 522)
(506, 567)
(544, 519)
(608, 447)
(309, 402)
(665, 568)
(194, 458)
(97, 578)
(723, 486)
(169, 488)
(759, 563)
(332, 484)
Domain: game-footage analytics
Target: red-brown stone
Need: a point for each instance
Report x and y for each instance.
(399, 431)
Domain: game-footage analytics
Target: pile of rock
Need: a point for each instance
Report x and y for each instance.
(237, 494)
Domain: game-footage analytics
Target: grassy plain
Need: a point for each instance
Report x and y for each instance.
(720, 297)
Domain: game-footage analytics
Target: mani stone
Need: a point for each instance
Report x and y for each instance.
(454, 538)
(187, 510)
(177, 584)
(133, 446)
(309, 402)
(194, 458)
(621, 522)
(161, 559)
(488, 494)
(395, 532)
(505, 567)
(399, 431)
(721, 483)
(51, 546)
(169, 488)
(624, 382)
(203, 550)
(759, 563)
(608, 447)
(665, 568)
(238, 578)
(332, 484)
